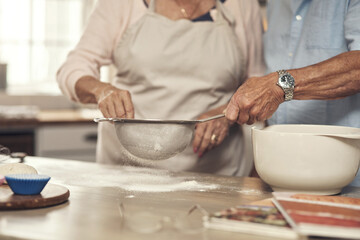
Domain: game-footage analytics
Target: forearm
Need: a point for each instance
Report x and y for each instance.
(88, 89)
(112, 101)
(334, 78)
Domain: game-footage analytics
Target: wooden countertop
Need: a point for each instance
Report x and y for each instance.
(66, 116)
(96, 191)
(92, 210)
(52, 117)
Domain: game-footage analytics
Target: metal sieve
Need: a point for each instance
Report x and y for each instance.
(154, 139)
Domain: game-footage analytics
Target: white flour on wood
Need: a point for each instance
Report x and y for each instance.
(136, 179)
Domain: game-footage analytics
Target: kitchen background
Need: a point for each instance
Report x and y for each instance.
(35, 37)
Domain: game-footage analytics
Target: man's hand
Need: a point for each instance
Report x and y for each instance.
(256, 100)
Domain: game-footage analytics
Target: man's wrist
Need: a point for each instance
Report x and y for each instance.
(279, 93)
(287, 83)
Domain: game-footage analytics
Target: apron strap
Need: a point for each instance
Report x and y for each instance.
(222, 13)
(152, 6)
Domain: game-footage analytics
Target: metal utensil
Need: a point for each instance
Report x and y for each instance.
(160, 121)
(154, 139)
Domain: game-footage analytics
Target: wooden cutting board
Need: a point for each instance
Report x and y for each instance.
(52, 194)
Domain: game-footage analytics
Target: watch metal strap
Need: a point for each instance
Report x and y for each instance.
(281, 72)
(289, 94)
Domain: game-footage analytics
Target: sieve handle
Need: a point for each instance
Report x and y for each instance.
(157, 120)
(211, 118)
(103, 119)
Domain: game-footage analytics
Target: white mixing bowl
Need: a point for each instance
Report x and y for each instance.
(316, 159)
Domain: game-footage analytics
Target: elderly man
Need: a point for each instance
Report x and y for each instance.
(312, 55)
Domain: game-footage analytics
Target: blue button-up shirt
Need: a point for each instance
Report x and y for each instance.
(304, 32)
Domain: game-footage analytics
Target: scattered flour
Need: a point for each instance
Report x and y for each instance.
(250, 192)
(186, 185)
(137, 180)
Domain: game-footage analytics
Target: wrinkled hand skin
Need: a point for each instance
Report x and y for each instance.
(202, 140)
(114, 102)
(256, 100)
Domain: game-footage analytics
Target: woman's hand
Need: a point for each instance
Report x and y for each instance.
(210, 134)
(112, 101)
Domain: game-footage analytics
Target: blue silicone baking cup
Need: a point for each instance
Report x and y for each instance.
(27, 184)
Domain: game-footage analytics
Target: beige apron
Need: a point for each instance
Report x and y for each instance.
(179, 70)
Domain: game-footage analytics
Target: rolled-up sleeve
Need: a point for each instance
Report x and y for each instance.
(352, 25)
(93, 50)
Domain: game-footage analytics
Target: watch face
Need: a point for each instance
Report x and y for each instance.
(287, 81)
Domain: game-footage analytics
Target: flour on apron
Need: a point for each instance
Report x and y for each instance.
(179, 69)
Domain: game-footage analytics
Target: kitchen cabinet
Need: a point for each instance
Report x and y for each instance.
(19, 140)
(65, 134)
(18, 135)
(70, 141)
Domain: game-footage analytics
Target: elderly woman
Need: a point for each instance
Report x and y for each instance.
(175, 60)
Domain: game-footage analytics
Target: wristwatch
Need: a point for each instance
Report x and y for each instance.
(287, 84)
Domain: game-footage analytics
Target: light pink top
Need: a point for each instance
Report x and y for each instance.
(112, 17)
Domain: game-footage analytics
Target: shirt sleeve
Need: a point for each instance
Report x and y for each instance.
(352, 25)
(94, 48)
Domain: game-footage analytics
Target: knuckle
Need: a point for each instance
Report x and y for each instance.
(246, 104)
(120, 110)
(121, 113)
(198, 134)
(130, 109)
(102, 104)
(236, 98)
(200, 127)
(125, 93)
(242, 121)
(254, 112)
(206, 138)
(261, 117)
